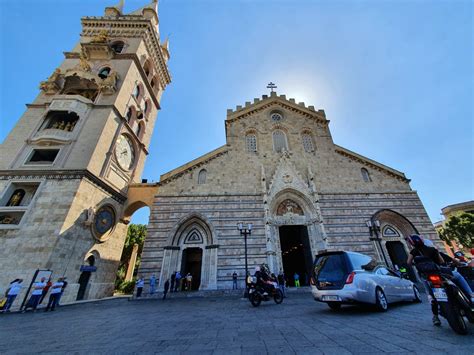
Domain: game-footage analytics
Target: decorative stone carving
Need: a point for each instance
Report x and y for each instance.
(289, 207)
(108, 85)
(101, 37)
(90, 215)
(52, 85)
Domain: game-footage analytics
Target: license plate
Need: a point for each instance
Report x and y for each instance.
(331, 298)
(440, 294)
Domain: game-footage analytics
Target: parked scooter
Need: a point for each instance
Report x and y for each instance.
(257, 294)
(453, 303)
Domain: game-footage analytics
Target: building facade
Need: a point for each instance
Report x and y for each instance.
(66, 166)
(281, 171)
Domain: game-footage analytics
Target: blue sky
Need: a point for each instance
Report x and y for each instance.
(394, 77)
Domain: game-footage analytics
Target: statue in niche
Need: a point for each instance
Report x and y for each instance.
(68, 127)
(289, 207)
(61, 125)
(16, 198)
(55, 125)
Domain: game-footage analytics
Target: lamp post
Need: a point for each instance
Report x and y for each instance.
(374, 228)
(245, 231)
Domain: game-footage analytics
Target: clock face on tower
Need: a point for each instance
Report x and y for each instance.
(125, 152)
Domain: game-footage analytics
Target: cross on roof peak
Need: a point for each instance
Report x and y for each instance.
(271, 86)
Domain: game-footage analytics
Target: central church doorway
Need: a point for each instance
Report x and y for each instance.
(191, 263)
(296, 253)
(398, 256)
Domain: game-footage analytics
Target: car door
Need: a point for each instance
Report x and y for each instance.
(390, 283)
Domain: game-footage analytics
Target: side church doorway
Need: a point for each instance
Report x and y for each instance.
(84, 279)
(296, 253)
(191, 262)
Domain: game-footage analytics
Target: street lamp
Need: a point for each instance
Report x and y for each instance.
(245, 231)
(374, 228)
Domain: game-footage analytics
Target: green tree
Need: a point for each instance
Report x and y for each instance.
(136, 234)
(459, 228)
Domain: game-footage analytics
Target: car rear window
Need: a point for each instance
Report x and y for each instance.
(330, 271)
(358, 260)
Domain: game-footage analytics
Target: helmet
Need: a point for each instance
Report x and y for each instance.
(415, 240)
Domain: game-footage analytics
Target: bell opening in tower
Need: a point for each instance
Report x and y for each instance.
(295, 254)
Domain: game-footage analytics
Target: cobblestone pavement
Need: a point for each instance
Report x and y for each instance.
(229, 326)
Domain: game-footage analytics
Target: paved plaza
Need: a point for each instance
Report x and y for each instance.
(228, 326)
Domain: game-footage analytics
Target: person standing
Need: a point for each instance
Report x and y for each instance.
(36, 295)
(166, 288)
(152, 284)
(173, 279)
(281, 282)
(140, 284)
(189, 281)
(234, 281)
(13, 291)
(45, 290)
(62, 290)
(296, 277)
(178, 280)
(54, 295)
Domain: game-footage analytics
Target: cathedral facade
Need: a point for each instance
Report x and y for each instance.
(281, 172)
(66, 166)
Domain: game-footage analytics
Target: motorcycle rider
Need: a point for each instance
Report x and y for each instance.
(420, 249)
(263, 278)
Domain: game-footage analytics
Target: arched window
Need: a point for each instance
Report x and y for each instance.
(365, 175)
(62, 120)
(279, 141)
(130, 113)
(307, 142)
(202, 176)
(117, 46)
(251, 143)
(104, 73)
(137, 92)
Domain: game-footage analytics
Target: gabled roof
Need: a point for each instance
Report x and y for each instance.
(266, 101)
(369, 162)
(193, 164)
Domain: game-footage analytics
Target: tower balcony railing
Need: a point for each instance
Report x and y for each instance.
(52, 134)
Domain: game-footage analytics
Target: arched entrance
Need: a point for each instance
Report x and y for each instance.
(394, 228)
(191, 249)
(85, 277)
(295, 235)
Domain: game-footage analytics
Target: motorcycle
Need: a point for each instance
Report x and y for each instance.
(256, 293)
(453, 304)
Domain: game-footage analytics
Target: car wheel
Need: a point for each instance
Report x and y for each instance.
(335, 306)
(416, 292)
(380, 300)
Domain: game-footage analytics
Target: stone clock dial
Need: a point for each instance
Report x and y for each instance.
(125, 152)
(104, 220)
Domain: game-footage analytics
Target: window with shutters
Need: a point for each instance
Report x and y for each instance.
(307, 142)
(202, 176)
(251, 143)
(279, 141)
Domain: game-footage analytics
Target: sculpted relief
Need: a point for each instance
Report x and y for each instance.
(289, 207)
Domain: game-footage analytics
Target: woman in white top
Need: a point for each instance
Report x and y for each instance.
(13, 291)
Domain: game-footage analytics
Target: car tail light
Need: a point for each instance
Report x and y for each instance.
(350, 278)
(435, 280)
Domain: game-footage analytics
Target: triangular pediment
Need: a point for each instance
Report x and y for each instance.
(267, 101)
(286, 176)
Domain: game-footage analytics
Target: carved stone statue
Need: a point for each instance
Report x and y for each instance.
(7, 219)
(83, 63)
(51, 86)
(55, 125)
(108, 85)
(61, 125)
(101, 37)
(16, 198)
(68, 127)
(90, 214)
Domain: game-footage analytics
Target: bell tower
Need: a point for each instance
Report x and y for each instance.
(66, 165)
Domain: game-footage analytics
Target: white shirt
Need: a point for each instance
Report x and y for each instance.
(14, 289)
(140, 283)
(38, 288)
(56, 287)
